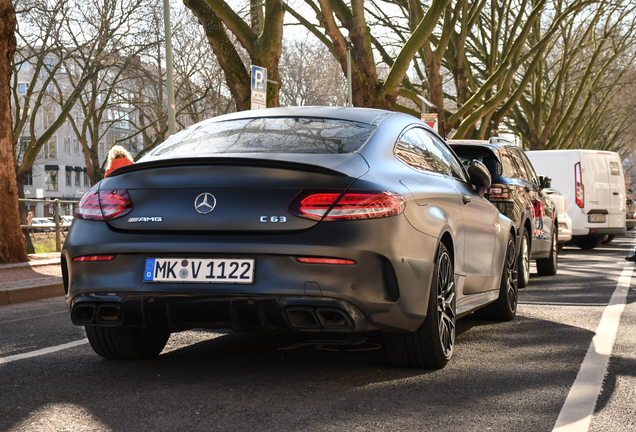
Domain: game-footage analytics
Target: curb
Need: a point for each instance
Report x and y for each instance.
(30, 290)
(31, 263)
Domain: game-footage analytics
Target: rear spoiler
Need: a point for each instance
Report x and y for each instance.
(226, 161)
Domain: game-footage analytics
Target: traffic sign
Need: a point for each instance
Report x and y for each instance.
(431, 120)
(259, 87)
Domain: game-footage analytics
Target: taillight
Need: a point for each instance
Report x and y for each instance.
(341, 261)
(578, 182)
(94, 258)
(104, 205)
(565, 206)
(88, 207)
(115, 203)
(338, 205)
(498, 192)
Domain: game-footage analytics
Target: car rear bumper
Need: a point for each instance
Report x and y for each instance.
(565, 230)
(388, 285)
(272, 314)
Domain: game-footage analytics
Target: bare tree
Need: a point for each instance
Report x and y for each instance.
(310, 75)
(12, 241)
(261, 39)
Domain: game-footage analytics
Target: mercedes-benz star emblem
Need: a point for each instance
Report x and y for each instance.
(205, 203)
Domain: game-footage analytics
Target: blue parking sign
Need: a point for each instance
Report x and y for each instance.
(259, 79)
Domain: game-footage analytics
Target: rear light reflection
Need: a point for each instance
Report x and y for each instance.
(350, 205)
(325, 261)
(94, 258)
(498, 192)
(104, 205)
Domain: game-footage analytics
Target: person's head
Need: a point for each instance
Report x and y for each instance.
(117, 152)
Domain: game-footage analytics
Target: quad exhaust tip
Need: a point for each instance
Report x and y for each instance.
(97, 314)
(328, 318)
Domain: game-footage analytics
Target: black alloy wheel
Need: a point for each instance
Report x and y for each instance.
(505, 308)
(548, 266)
(430, 346)
(523, 262)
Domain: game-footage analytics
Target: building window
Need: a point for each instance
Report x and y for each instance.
(28, 179)
(22, 66)
(76, 147)
(67, 146)
(47, 67)
(87, 180)
(77, 178)
(48, 117)
(22, 88)
(24, 144)
(100, 150)
(50, 149)
(69, 175)
(50, 177)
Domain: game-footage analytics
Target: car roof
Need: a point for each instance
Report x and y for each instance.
(370, 116)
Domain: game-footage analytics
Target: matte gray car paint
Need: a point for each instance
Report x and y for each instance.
(434, 210)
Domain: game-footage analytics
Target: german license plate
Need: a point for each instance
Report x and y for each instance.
(198, 270)
(596, 218)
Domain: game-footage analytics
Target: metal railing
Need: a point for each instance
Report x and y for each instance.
(56, 218)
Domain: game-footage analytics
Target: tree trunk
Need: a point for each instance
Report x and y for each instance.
(12, 241)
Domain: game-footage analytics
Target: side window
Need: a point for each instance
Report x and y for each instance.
(452, 162)
(529, 168)
(408, 150)
(433, 158)
(513, 164)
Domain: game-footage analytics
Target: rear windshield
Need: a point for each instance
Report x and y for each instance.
(268, 135)
(484, 155)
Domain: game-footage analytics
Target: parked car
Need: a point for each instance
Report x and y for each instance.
(594, 187)
(565, 223)
(630, 211)
(520, 194)
(66, 222)
(42, 224)
(306, 219)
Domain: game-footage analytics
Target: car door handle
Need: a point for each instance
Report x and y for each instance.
(615, 193)
(466, 199)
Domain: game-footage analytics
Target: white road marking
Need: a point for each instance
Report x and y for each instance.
(576, 413)
(42, 351)
(531, 303)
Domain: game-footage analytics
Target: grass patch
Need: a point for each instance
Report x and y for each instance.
(44, 242)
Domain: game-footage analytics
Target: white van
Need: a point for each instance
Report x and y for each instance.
(594, 188)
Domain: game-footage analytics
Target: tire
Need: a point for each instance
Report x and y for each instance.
(548, 266)
(590, 242)
(608, 238)
(523, 261)
(505, 307)
(126, 343)
(431, 345)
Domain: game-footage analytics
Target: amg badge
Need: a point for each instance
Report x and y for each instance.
(146, 219)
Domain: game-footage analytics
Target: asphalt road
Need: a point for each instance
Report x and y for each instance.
(511, 376)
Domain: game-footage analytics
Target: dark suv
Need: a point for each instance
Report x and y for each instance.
(519, 194)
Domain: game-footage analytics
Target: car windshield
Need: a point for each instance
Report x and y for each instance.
(268, 135)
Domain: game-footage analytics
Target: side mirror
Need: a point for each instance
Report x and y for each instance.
(479, 176)
(545, 182)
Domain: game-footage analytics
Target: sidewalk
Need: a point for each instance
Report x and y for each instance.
(40, 278)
